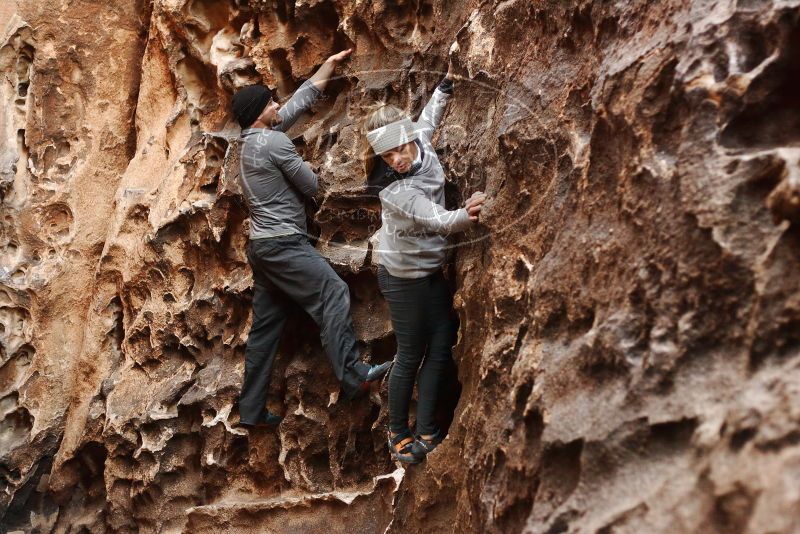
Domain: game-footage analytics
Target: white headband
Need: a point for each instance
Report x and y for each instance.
(392, 135)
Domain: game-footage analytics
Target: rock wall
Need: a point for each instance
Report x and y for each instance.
(629, 351)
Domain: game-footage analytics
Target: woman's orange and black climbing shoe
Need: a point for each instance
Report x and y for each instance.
(400, 447)
(421, 446)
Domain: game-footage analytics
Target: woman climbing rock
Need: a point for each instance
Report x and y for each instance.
(402, 168)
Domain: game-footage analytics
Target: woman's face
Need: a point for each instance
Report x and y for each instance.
(401, 158)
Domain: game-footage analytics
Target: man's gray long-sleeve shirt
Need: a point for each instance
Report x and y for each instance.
(273, 175)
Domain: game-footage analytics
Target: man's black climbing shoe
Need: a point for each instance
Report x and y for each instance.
(421, 447)
(271, 418)
(375, 372)
(267, 419)
(400, 447)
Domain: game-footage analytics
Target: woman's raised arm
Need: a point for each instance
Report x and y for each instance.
(432, 114)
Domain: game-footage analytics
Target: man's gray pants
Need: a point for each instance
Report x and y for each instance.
(289, 267)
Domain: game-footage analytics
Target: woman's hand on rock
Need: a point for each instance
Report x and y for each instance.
(474, 204)
(451, 74)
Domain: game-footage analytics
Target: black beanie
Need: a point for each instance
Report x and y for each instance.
(249, 102)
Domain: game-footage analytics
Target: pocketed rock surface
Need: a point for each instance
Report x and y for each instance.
(629, 350)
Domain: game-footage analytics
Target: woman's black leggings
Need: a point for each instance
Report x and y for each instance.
(424, 325)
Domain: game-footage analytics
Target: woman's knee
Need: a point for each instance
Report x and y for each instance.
(405, 364)
(444, 335)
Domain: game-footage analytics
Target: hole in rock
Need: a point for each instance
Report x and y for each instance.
(732, 511)
(282, 70)
(338, 237)
(521, 271)
(383, 349)
(560, 473)
(15, 428)
(209, 188)
(319, 464)
(672, 434)
(771, 118)
(741, 437)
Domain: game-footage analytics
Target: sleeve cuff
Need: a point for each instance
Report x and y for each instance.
(310, 85)
(446, 86)
(462, 222)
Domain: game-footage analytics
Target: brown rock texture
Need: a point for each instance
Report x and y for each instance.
(629, 350)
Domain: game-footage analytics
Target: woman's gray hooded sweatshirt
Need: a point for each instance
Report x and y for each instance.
(413, 239)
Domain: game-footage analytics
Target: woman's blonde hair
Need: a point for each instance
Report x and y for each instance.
(378, 115)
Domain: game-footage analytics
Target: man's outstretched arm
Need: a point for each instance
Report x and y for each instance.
(324, 73)
(309, 92)
(296, 171)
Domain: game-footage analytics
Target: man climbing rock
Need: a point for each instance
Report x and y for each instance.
(285, 266)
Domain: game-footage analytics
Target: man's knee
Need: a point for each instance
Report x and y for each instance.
(265, 332)
(257, 354)
(336, 289)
